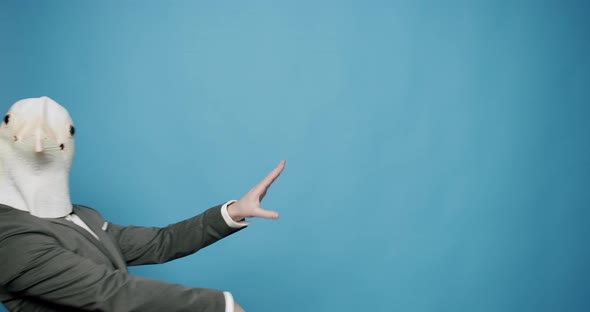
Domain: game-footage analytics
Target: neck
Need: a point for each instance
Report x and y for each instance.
(44, 194)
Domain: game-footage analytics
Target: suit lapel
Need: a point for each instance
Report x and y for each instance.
(113, 251)
(104, 244)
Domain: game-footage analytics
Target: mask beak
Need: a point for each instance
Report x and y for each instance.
(39, 144)
(40, 127)
(41, 132)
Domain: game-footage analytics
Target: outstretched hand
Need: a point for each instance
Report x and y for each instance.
(249, 205)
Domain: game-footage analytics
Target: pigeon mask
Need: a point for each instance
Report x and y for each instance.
(36, 153)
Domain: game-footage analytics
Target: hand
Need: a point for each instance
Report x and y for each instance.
(237, 308)
(249, 205)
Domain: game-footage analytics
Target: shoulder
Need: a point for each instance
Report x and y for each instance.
(14, 222)
(9, 215)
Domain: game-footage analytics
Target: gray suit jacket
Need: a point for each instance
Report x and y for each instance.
(55, 265)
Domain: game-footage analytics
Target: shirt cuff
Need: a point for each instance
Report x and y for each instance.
(230, 222)
(229, 301)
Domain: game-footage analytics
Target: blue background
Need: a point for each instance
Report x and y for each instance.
(438, 152)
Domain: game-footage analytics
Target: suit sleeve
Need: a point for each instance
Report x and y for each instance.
(149, 245)
(34, 264)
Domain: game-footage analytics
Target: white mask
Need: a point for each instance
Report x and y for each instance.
(36, 153)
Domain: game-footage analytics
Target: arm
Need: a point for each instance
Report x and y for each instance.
(35, 264)
(152, 245)
(144, 245)
(147, 245)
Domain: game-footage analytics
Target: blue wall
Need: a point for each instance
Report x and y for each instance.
(438, 152)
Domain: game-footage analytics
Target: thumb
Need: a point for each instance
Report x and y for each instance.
(267, 214)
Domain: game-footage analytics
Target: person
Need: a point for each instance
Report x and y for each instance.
(59, 256)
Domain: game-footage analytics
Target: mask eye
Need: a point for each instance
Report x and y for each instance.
(6, 118)
(72, 130)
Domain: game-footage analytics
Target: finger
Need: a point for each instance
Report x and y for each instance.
(273, 175)
(267, 214)
(270, 178)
